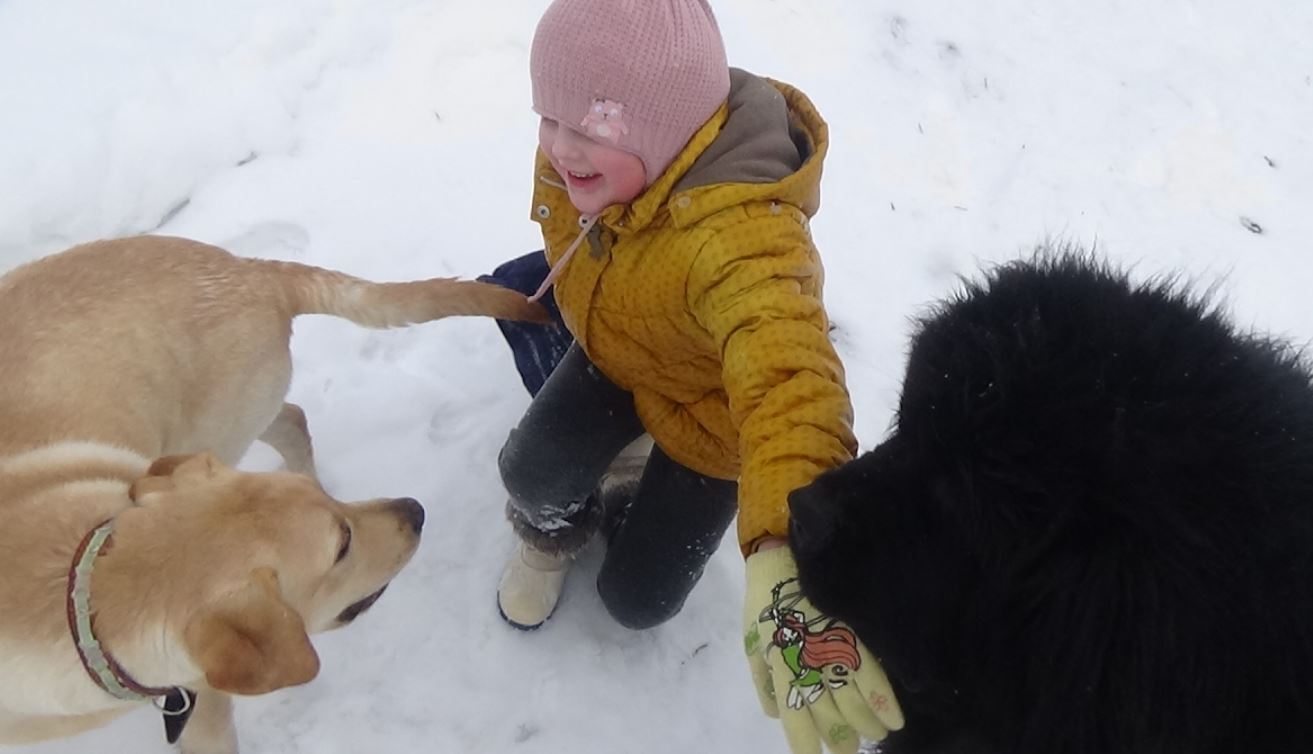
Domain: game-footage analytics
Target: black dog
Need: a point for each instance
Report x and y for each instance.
(1090, 529)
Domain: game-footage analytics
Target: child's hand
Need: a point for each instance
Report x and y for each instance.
(832, 688)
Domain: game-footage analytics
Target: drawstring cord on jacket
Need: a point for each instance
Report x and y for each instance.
(559, 267)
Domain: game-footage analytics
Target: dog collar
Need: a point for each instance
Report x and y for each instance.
(175, 702)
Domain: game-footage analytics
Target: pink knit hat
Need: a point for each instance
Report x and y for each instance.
(643, 75)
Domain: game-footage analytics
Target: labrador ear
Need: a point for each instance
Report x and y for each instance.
(254, 642)
(167, 471)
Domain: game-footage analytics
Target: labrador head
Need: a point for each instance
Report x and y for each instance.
(259, 562)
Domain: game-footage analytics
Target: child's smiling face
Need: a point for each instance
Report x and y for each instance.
(596, 175)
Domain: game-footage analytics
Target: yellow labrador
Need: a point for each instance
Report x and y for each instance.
(136, 561)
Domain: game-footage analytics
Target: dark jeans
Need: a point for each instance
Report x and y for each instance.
(577, 424)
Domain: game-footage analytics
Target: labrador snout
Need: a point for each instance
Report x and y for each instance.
(410, 511)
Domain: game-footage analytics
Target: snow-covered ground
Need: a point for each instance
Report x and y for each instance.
(392, 139)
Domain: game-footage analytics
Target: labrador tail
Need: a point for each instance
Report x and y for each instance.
(314, 290)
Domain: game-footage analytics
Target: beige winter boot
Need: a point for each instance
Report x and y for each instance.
(534, 576)
(615, 490)
(531, 586)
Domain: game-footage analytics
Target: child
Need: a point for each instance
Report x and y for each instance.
(674, 197)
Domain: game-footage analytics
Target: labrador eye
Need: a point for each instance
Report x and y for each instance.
(346, 543)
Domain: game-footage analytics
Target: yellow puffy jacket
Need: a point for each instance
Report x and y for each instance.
(702, 297)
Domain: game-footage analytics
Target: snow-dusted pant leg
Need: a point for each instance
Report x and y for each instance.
(577, 423)
(674, 524)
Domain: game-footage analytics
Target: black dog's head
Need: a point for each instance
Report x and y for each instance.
(1090, 490)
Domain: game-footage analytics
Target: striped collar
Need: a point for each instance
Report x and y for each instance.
(175, 702)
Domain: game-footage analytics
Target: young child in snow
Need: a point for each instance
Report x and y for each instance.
(674, 195)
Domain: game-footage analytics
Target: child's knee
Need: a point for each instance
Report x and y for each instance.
(636, 607)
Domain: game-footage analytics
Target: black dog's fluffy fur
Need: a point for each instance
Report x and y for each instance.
(1090, 529)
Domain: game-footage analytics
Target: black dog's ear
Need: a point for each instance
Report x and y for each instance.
(813, 519)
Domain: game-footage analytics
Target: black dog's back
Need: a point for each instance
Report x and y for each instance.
(1091, 529)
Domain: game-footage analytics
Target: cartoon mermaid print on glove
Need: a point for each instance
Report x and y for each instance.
(810, 670)
(809, 653)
